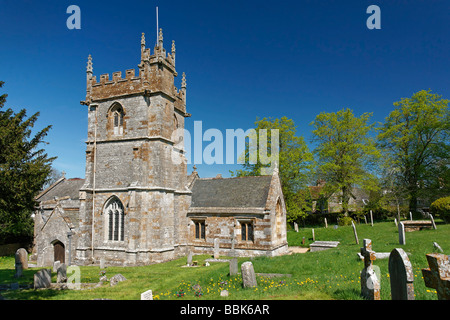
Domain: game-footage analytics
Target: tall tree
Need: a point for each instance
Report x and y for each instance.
(346, 153)
(415, 140)
(295, 161)
(23, 171)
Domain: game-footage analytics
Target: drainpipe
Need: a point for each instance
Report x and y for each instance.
(69, 235)
(93, 183)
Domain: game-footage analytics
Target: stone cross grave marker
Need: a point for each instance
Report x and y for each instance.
(401, 233)
(370, 284)
(147, 295)
(401, 275)
(216, 248)
(43, 279)
(437, 276)
(248, 275)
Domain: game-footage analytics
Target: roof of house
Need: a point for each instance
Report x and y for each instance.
(244, 192)
(63, 188)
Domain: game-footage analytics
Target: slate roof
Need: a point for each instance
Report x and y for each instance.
(65, 188)
(243, 192)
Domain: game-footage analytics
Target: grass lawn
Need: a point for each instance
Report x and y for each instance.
(330, 274)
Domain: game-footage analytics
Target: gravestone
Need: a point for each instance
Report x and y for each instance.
(61, 273)
(116, 279)
(147, 295)
(365, 220)
(326, 223)
(248, 275)
(22, 257)
(371, 218)
(410, 216)
(437, 276)
(313, 235)
(56, 265)
(401, 275)
(401, 233)
(19, 270)
(296, 226)
(189, 258)
(354, 232)
(102, 263)
(395, 221)
(43, 279)
(323, 245)
(370, 284)
(432, 222)
(438, 247)
(216, 248)
(234, 266)
(224, 293)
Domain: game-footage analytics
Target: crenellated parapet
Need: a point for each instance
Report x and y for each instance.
(156, 76)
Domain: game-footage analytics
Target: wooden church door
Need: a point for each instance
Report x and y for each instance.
(60, 252)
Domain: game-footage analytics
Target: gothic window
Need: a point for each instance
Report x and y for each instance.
(116, 117)
(114, 220)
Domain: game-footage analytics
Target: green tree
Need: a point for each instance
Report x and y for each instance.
(295, 162)
(414, 139)
(346, 153)
(23, 171)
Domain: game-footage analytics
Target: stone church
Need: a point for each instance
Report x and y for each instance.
(136, 206)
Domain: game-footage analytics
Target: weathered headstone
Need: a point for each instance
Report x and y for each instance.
(355, 233)
(326, 223)
(19, 270)
(234, 266)
(370, 284)
(61, 273)
(43, 279)
(401, 275)
(22, 257)
(248, 275)
(189, 258)
(147, 295)
(216, 248)
(410, 216)
(365, 220)
(322, 245)
(296, 226)
(102, 263)
(401, 233)
(116, 279)
(395, 220)
(313, 235)
(437, 276)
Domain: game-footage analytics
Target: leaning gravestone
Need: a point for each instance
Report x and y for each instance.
(43, 279)
(56, 265)
(437, 276)
(355, 233)
(401, 275)
(370, 284)
(248, 275)
(147, 295)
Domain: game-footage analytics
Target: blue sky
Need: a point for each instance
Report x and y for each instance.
(243, 59)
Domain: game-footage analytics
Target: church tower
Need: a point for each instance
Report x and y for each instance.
(134, 199)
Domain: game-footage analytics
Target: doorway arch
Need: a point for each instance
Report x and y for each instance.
(59, 251)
